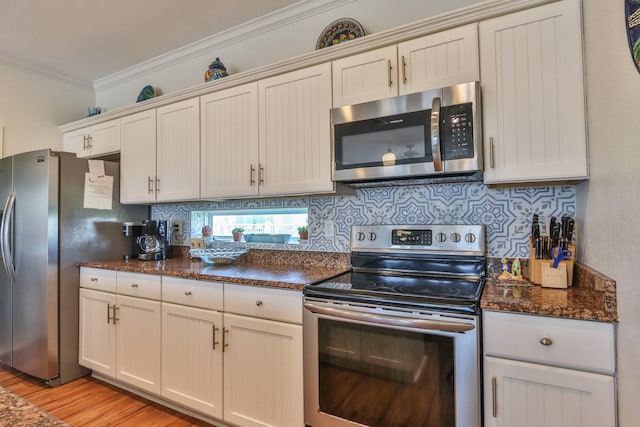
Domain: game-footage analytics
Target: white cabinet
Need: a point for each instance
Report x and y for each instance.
(161, 154)
(548, 372)
(178, 151)
(263, 358)
(533, 95)
(192, 344)
(433, 61)
(138, 158)
(294, 132)
(229, 142)
(120, 334)
(97, 140)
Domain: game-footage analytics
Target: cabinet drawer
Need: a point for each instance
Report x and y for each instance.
(267, 303)
(98, 279)
(192, 293)
(570, 343)
(139, 285)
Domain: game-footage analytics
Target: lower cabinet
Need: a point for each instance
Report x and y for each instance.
(547, 372)
(170, 337)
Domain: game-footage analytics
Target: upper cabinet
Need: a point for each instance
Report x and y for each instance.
(295, 132)
(437, 60)
(533, 95)
(138, 158)
(229, 142)
(97, 140)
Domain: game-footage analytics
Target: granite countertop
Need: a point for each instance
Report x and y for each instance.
(592, 297)
(278, 269)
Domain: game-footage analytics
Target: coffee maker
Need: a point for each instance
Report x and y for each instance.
(153, 242)
(131, 232)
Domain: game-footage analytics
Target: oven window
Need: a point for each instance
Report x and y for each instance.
(383, 377)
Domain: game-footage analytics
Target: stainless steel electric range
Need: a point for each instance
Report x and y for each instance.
(396, 341)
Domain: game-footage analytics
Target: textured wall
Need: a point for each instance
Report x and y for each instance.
(506, 212)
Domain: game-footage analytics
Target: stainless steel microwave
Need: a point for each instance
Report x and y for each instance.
(426, 134)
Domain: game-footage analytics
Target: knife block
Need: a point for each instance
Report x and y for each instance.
(542, 273)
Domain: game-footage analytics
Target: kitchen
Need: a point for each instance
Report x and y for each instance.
(610, 182)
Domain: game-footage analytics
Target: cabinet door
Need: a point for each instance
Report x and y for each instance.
(365, 77)
(138, 158)
(76, 142)
(178, 151)
(97, 332)
(192, 358)
(533, 95)
(295, 140)
(105, 138)
(439, 60)
(262, 372)
(229, 142)
(519, 394)
(138, 342)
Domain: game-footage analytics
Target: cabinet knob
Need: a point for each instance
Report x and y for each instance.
(259, 303)
(546, 341)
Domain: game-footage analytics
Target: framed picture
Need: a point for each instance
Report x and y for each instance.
(632, 21)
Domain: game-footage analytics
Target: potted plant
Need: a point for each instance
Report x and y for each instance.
(237, 233)
(303, 233)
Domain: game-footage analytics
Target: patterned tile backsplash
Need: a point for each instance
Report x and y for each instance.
(506, 212)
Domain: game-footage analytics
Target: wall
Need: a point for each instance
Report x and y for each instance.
(34, 103)
(507, 213)
(270, 41)
(608, 204)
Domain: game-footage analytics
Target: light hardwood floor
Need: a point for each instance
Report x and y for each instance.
(90, 402)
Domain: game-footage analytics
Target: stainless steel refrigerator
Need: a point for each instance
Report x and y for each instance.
(44, 231)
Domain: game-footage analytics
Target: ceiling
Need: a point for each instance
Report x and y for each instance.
(90, 39)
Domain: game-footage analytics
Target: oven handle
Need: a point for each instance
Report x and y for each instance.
(380, 319)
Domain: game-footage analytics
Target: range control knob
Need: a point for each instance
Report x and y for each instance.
(441, 237)
(372, 236)
(360, 236)
(469, 237)
(455, 237)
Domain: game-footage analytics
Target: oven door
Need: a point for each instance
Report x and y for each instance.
(386, 368)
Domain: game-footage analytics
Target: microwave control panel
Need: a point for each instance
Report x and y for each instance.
(457, 131)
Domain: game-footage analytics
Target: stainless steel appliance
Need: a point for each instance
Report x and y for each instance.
(153, 241)
(44, 231)
(395, 342)
(436, 133)
(131, 231)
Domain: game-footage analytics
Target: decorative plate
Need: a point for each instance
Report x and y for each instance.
(632, 18)
(339, 31)
(147, 92)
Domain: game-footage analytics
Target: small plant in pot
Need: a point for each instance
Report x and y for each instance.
(303, 233)
(237, 234)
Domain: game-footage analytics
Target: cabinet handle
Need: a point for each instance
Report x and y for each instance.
(85, 142)
(115, 319)
(494, 396)
(260, 174)
(89, 141)
(491, 155)
(404, 70)
(94, 279)
(150, 185)
(214, 336)
(259, 303)
(546, 341)
(390, 69)
(252, 172)
(187, 293)
(157, 184)
(225, 344)
(108, 313)
(134, 285)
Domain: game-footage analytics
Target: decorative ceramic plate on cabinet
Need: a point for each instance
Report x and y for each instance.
(632, 16)
(339, 31)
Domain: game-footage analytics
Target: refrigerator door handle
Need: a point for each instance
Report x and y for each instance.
(5, 243)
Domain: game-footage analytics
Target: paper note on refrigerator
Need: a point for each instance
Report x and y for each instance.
(98, 192)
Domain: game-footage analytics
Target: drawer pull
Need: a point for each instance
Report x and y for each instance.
(94, 279)
(134, 285)
(187, 293)
(259, 303)
(546, 341)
